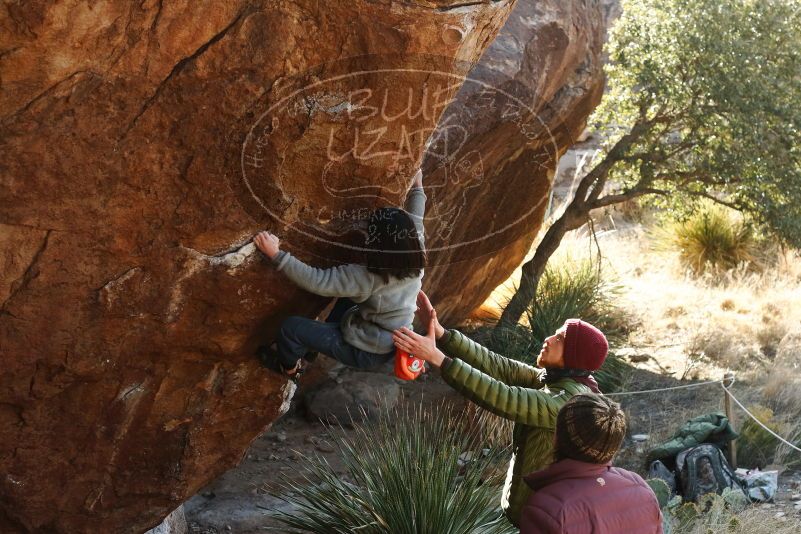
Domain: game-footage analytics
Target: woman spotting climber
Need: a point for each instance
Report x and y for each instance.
(374, 299)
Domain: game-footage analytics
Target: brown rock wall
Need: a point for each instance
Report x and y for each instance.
(143, 144)
(523, 105)
(130, 300)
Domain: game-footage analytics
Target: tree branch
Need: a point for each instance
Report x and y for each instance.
(599, 174)
(728, 204)
(631, 194)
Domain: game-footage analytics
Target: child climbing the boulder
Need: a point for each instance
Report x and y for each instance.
(382, 292)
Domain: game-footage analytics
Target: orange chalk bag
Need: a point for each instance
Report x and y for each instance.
(407, 367)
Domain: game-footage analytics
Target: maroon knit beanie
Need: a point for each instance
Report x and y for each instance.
(585, 346)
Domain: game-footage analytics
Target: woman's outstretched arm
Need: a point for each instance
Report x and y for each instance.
(456, 345)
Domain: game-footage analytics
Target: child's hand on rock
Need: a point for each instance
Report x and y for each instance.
(267, 243)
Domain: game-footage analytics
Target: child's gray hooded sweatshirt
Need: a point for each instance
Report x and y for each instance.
(382, 306)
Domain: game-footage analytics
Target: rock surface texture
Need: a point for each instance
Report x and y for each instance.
(142, 144)
(523, 105)
(175, 523)
(140, 149)
(352, 396)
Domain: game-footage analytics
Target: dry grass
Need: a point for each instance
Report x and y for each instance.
(698, 326)
(733, 319)
(752, 520)
(782, 393)
(713, 239)
(695, 327)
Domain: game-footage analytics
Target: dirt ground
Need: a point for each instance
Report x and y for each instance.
(240, 500)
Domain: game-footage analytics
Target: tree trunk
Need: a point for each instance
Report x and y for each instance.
(573, 217)
(585, 199)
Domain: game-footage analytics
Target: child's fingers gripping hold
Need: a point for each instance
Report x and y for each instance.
(267, 243)
(417, 179)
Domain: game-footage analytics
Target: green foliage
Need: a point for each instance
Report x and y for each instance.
(572, 289)
(661, 490)
(412, 472)
(704, 96)
(613, 375)
(712, 239)
(579, 289)
(723, 513)
(756, 447)
(734, 499)
(685, 514)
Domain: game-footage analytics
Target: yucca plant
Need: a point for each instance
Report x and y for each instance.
(571, 289)
(712, 239)
(756, 447)
(414, 471)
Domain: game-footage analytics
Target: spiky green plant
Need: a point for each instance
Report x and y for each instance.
(613, 375)
(713, 239)
(415, 471)
(661, 490)
(686, 514)
(570, 289)
(756, 447)
(573, 289)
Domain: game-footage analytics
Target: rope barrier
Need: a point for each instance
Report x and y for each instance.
(659, 390)
(760, 423)
(730, 379)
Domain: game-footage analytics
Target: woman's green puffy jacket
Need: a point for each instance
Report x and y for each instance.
(514, 391)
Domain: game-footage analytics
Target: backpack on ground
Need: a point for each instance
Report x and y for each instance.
(703, 469)
(659, 470)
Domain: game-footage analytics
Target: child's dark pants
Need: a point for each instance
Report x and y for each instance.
(298, 335)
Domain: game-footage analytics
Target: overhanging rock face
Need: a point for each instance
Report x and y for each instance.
(521, 107)
(142, 144)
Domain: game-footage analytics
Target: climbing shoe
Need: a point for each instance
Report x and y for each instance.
(268, 357)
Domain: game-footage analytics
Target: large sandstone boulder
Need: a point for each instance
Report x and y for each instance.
(142, 144)
(521, 107)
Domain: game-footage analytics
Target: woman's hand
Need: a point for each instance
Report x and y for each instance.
(425, 311)
(267, 243)
(423, 347)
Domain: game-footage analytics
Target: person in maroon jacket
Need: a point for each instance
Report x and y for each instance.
(581, 493)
